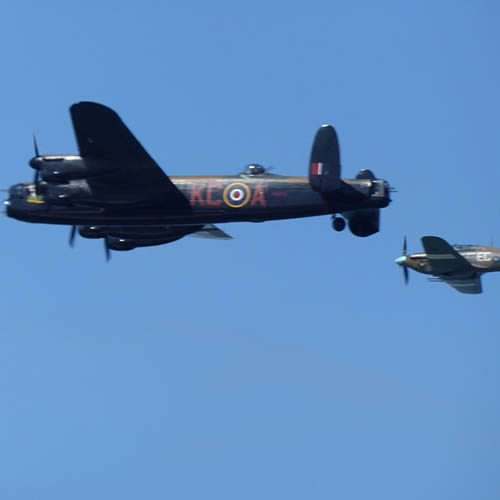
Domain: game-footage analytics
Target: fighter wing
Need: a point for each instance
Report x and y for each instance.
(134, 177)
(470, 285)
(211, 231)
(443, 258)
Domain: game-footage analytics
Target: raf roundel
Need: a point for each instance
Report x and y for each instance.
(236, 195)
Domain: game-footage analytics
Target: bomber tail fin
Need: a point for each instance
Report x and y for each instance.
(324, 165)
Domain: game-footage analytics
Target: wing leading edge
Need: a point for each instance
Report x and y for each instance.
(135, 177)
(443, 258)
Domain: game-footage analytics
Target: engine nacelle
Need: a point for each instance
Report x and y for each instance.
(62, 169)
(92, 232)
(63, 172)
(119, 244)
(139, 234)
(364, 223)
(66, 194)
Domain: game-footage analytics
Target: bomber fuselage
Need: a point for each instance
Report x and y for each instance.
(114, 190)
(211, 199)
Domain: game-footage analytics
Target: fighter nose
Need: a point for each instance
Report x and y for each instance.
(401, 260)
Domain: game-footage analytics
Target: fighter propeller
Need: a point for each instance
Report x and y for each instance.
(401, 261)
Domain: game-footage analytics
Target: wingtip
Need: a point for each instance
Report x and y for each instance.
(85, 105)
(432, 238)
(327, 132)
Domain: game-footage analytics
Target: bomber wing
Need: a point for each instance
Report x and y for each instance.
(211, 231)
(134, 177)
(128, 238)
(159, 232)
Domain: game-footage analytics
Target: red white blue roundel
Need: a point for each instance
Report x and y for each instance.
(236, 195)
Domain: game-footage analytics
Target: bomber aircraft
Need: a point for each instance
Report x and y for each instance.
(115, 191)
(460, 266)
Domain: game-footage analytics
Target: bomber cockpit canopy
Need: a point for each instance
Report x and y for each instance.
(254, 169)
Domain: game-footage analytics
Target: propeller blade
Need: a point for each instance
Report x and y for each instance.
(107, 251)
(36, 146)
(404, 245)
(36, 178)
(72, 236)
(406, 275)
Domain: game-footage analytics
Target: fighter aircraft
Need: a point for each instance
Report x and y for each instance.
(115, 191)
(460, 266)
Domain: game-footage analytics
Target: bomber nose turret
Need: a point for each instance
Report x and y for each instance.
(18, 191)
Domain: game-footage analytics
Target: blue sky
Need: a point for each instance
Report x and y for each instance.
(290, 362)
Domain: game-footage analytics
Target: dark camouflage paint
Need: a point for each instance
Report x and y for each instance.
(272, 197)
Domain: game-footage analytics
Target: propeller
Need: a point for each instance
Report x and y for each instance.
(405, 269)
(36, 179)
(72, 236)
(401, 261)
(37, 153)
(406, 275)
(107, 251)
